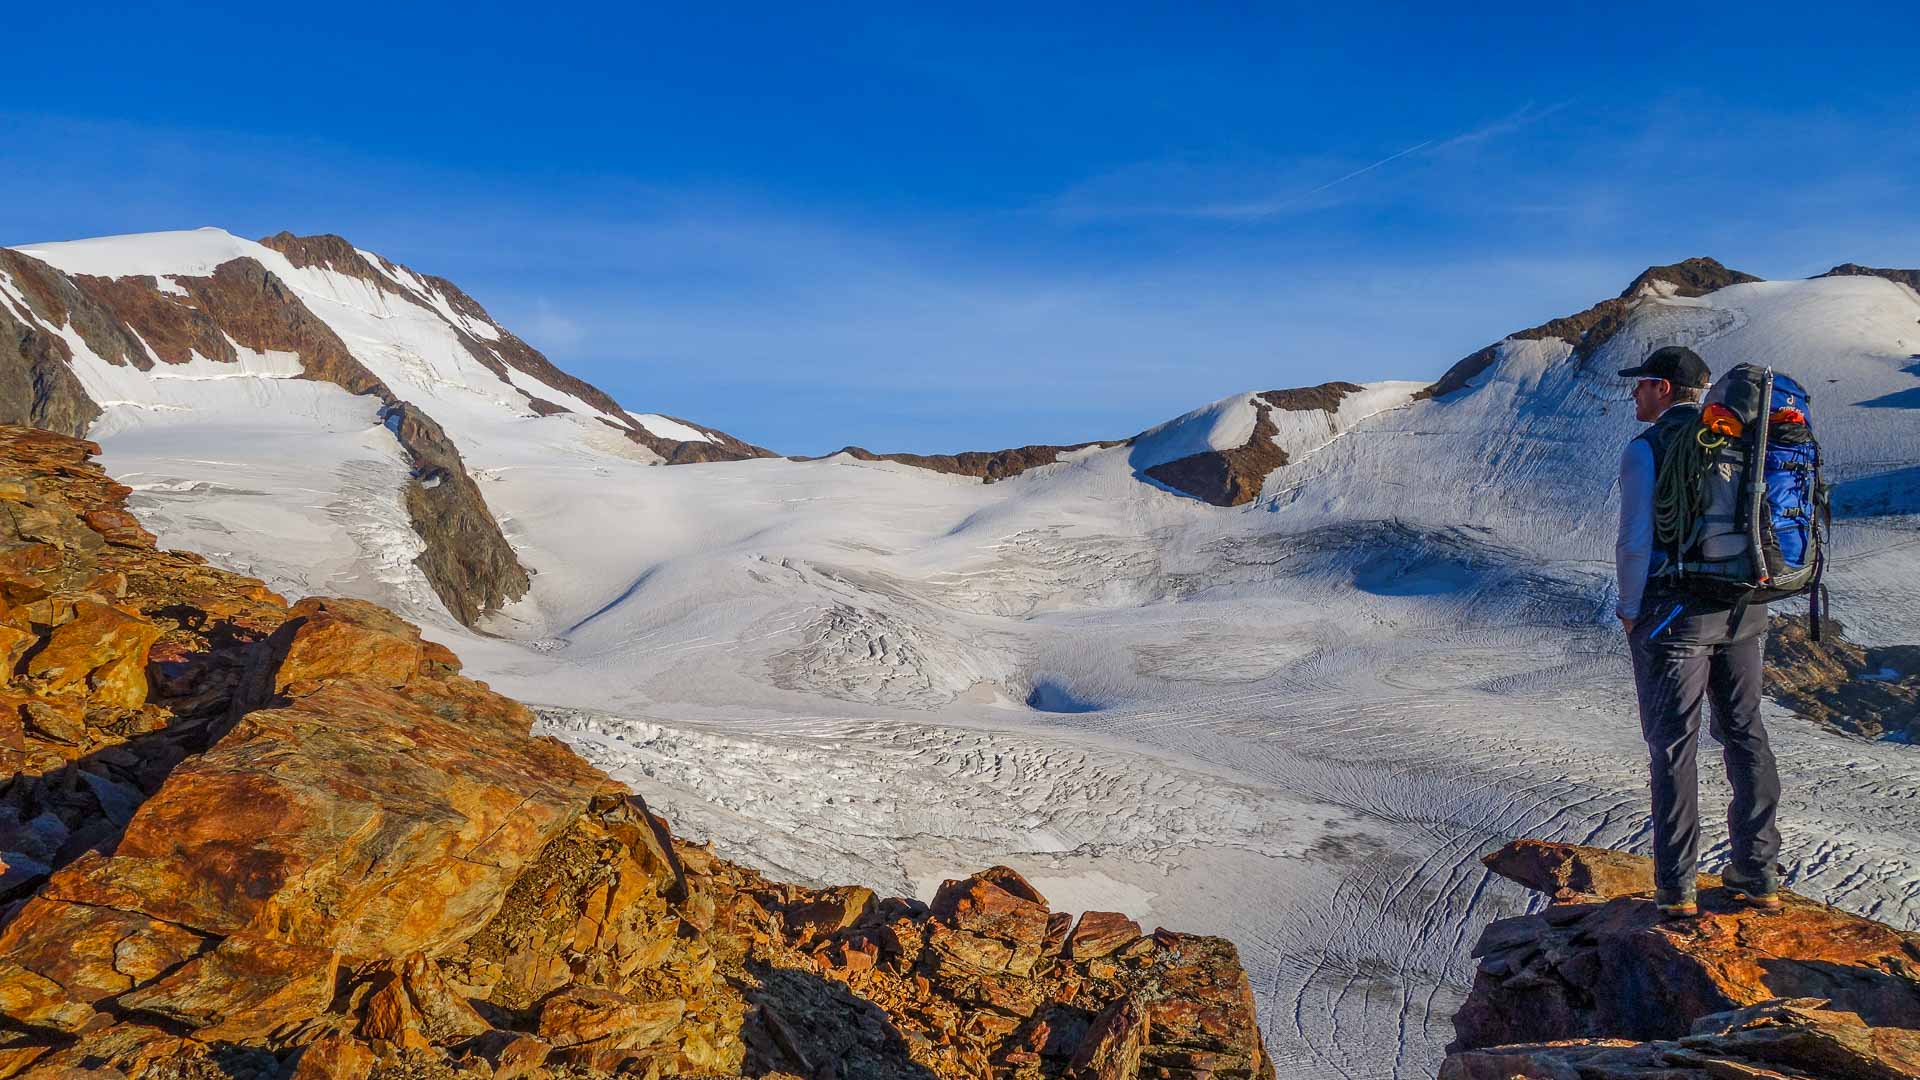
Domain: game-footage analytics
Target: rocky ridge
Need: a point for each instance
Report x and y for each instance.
(1909, 278)
(1588, 330)
(1597, 987)
(247, 839)
(988, 465)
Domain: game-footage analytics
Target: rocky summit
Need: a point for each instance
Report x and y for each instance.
(244, 838)
(1597, 987)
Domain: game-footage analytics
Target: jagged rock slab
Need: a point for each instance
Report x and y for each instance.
(1598, 985)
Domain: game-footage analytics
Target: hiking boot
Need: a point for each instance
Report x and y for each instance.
(1761, 892)
(1676, 903)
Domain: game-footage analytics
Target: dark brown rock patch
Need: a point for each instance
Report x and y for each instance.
(1860, 690)
(1233, 477)
(989, 465)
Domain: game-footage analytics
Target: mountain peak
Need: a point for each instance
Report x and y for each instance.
(328, 251)
(1697, 276)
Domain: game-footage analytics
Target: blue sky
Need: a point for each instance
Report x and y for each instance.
(985, 228)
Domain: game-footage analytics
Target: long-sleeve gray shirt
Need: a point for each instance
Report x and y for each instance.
(1633, 547)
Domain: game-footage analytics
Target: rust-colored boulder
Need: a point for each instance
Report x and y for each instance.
(102, 646)
(584, 1014)
(130, 1051)
(995, 903)
(1538, 973)
(1113, 1044)
(445, 1015)
(351, 819)
(61, 958)
(333, 1057)
(1101, 933)
(389, 1017)
(340, 637)
(16, 1060)
(1570, 870)
(1778, 1040)
(243, 988)
(832, 911)
(520, 1057)
(1609, 989)
(118, 527)
(1203, 1009)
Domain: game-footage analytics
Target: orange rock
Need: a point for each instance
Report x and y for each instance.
(134, 1051)
(1111, 1050)
(242, 989)
(13, 645)
(831, 911)
(390, 1017)
(859, 956)
(1570, 869)
(1101, 933)
(1615, 969)
(16, 1060)
(520, 1058)
(582, 1014)
(969, 951)
(437, 661)
(61, 958)
(118, 527)
(352, 819)
(1207, 1002)
(445, 1015)
(333, 1057)
(341, 637)
(104, 646)
(996, 903)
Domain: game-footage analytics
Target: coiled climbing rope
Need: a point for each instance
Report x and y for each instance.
(1679, 497)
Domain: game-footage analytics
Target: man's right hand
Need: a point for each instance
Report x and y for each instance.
(1626, 624)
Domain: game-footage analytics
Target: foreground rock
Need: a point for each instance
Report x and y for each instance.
(250, 839)
(1596, 986)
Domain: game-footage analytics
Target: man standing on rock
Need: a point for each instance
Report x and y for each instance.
(1686, 652)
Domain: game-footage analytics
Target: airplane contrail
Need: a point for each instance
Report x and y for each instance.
(1369, 168)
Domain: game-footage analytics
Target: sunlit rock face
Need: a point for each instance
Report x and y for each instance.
(1597, 984)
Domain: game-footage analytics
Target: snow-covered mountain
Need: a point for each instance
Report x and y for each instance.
(347, 376)
(1280, 668)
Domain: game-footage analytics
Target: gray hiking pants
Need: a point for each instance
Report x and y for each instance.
(1678, 666)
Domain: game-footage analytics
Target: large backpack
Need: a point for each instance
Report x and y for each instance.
(1741, 510)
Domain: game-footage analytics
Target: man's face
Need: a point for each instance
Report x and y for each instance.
(1651, 398)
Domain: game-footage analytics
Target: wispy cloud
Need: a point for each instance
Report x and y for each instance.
(1294, 195)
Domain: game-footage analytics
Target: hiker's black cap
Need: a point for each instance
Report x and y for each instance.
(1677, 364)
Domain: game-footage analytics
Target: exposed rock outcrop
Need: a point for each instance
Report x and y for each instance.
(1863, 691)
(988, 465)
(1909, 278)
(37, 387)
(244, 838)
(1588, 330)
(1598, 987)
(467, 559)
(1234, 476)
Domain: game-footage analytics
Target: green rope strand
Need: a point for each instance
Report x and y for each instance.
(1679, 498)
